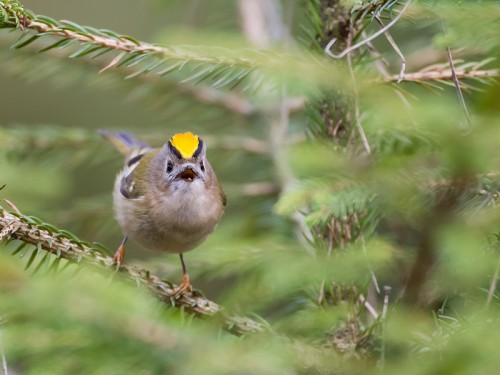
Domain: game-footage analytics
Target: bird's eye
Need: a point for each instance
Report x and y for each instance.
(170, 167)
(202, 166)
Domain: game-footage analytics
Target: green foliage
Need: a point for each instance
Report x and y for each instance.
(337, 258)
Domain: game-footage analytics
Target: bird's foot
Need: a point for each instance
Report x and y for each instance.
(185, 286)
(119, 256)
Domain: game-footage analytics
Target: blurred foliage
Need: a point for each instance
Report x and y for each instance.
(356, 262)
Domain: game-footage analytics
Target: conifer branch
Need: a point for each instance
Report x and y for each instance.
(63, 244)
(221, 66)
(15, 16)
(445, 75)
(218, 66)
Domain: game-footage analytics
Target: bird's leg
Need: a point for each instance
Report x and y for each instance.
(119, 256)
(186, 284)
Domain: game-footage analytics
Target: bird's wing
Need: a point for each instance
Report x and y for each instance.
(131, 186)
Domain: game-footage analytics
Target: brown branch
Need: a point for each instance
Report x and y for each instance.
(20, 228)
(122, 45)
(445, 75)
(443, 211)
(128, 45)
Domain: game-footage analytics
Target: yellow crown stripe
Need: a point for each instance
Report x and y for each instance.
(186, 144)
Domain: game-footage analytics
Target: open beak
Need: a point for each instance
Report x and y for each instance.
(187, 174)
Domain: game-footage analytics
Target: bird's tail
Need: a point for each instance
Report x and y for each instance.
(124, 142)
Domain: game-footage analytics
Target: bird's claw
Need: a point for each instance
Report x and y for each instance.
(185, 286)
(119, 256)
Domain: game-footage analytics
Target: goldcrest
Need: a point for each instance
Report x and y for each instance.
(166, 199)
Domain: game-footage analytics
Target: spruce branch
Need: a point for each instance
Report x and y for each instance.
(445, 75)
(65, 245)
(14, 17)
(222, 67)
(367, 40)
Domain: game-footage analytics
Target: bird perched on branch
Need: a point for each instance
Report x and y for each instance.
(166, 199)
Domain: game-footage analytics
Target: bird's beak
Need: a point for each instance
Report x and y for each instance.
(187, 174)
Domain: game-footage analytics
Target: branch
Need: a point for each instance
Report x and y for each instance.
(445, 75)
(357, 114)
(367, 40)
(222, 66)
(110, 40)
(456, 82)
(64, 245)
(395, 47)
(493, 284)
(4, 359)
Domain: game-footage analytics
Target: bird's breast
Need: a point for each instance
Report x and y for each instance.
(176, 220)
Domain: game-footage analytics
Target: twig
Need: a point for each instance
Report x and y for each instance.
(457, 88)
(445, 75)
(493, 284)
(76, 251)
(379, 63)
(364, 41)
(4, 359)
(357, 119)
(387, 292)
(455, 80)
(368, 307)
(363, 246)
(396, 48)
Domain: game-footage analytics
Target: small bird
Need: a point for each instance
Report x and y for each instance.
(166, 199)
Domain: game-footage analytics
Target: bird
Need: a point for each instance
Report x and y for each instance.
(165, 199)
